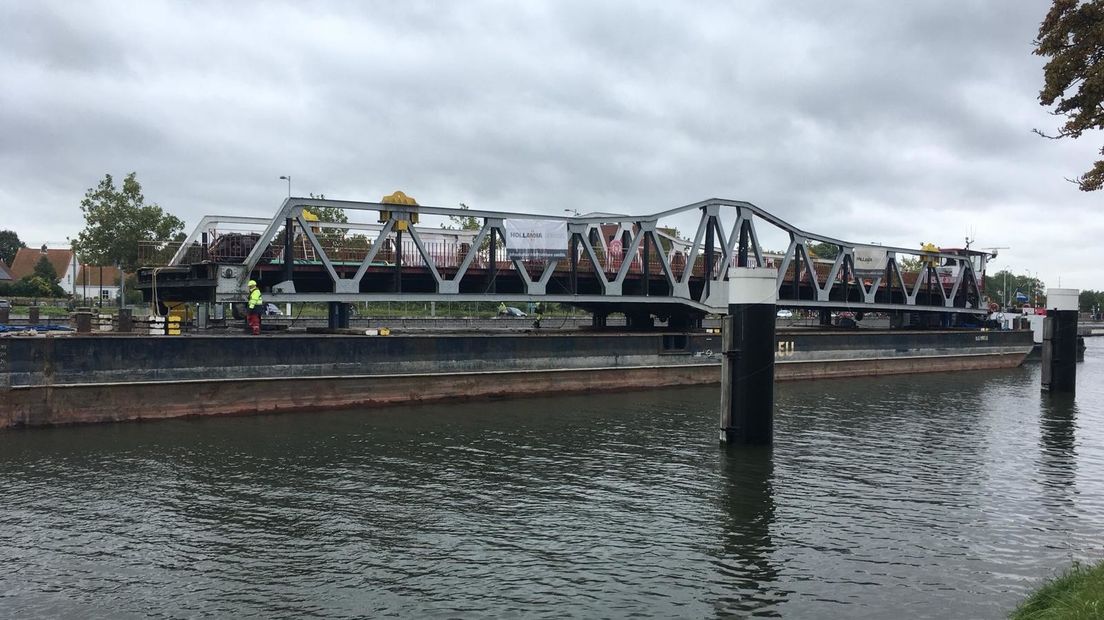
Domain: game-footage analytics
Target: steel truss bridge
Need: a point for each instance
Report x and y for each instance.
(631, 264)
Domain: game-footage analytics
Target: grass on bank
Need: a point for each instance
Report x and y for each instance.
(1077, 594)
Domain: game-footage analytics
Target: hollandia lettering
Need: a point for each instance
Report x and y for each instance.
(535, 239)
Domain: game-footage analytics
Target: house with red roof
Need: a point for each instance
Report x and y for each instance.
(63, 261)
(97, 282)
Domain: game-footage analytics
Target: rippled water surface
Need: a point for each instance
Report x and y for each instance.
(923, 496)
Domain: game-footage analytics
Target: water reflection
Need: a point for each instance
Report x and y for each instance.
(747, 505)
(1057, 462)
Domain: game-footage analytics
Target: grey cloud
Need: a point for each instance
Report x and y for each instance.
(904, 122)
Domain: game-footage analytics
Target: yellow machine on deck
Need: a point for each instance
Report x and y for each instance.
(928, 257)
(399, 198)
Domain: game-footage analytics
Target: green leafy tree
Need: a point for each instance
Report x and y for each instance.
(9, 245)
(911, 264)
(1072, 38)
(329, 237)
(467, 222)
(1003, 285)
(328, 214)
(825, 251)
(1091, 301)
(463, 222)
(37, 286)
(45, 270)
(118, 220)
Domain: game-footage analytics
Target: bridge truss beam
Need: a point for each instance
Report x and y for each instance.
(613, 259)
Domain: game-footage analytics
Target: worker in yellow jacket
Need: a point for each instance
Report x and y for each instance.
(256, 307)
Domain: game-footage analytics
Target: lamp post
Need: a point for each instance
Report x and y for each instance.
(73, 274)
(1005, 309)
(288, 179)
(574, 212)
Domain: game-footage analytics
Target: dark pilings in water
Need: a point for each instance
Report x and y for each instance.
(1060, 341)
(747, 368)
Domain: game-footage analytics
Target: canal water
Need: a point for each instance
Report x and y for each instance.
(923, 496)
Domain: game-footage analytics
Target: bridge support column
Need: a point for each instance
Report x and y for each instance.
(339, 315)
(747, 368)
(1060, 341)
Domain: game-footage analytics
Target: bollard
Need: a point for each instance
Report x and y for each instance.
(83, 322)
(339, 315)
(32, 315)
(1060, 341)
(747, 368)
(126, 320)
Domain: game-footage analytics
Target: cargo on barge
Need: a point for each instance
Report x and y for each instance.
(86, 379)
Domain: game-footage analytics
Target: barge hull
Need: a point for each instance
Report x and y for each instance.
(58, 381)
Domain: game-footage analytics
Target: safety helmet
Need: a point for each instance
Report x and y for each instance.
(253, 284)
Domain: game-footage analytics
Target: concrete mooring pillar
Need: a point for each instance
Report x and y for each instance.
(747, 368)
(1060, 341)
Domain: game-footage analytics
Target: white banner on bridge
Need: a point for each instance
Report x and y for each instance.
(870, 262)
(535, 239)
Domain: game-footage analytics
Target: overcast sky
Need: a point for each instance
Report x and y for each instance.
(894, 122)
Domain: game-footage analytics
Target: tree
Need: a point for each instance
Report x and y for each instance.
(117, 221)
(1091, 301)
(826, 251)
(9, 245)
(45, 270)
(1003, 285)
(37, 286)
(1072, 37)
(329, 237)
(468, 222)
(328, 214)
(462, 222)
(911, 264)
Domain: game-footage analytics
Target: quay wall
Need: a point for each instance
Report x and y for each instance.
(66, 380)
